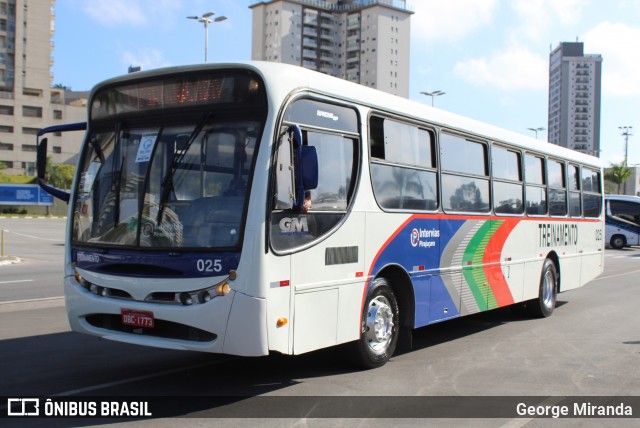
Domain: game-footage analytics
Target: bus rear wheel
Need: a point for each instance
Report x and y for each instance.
(380, 326)
(618, 242)
(543, 306)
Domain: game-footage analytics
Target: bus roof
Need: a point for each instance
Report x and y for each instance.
(284, 78)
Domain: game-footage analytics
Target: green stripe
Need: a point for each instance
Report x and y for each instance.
(474, 274)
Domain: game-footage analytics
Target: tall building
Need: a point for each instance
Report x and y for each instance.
(27, 100)
(574, 98)
(363, 41)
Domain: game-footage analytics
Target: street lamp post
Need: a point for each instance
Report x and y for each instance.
(433, 95)
(626, 133)
(205, 19)
(536, 130)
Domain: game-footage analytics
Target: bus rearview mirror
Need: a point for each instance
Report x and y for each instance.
(41, 159)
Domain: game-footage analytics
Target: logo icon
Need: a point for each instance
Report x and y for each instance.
(23, 407)
(415, 237)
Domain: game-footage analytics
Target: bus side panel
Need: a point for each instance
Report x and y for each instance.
(510, 246)
(458, 265)
(327, 281)
(591, 246)
(279, 303)
(246, 330)
(570, 268)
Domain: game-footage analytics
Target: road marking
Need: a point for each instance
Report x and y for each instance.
(615, 276)
(30, 304)
(16, 281)
(137, 378)
(33, 237)
(43, 299)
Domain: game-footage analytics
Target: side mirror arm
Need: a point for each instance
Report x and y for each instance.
(41, 157)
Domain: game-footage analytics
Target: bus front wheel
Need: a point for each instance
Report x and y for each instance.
(543, 306)
(618, 242)
(379, 328)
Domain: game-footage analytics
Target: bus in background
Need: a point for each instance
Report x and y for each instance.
(622, 220)
(258, 207)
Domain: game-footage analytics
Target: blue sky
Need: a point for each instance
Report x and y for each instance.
(489, 56)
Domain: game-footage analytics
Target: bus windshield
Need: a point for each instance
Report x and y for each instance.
(167, 182)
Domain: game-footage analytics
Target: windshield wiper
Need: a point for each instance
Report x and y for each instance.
(167, 180)
(118, 177)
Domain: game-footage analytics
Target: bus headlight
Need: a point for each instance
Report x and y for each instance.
(188, 298)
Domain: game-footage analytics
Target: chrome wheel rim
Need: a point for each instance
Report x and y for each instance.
(379, 325)
(548, 286)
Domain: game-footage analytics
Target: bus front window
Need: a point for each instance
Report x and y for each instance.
(174, 186)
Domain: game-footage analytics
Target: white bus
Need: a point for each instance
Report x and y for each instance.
(258, 207)
(622, 221)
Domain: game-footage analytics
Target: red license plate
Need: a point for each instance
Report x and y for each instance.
(137, 318)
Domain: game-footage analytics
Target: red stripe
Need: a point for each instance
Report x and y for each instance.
(493, 259)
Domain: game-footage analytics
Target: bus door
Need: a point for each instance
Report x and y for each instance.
(323, 239)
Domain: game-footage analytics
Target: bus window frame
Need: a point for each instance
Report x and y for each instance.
(281, 125)
(563, 164)
(577, 191)
(435, 159)
(494, 179)
(592, 193)
(542, 185)
(487, 167)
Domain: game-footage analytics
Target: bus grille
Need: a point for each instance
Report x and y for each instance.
(162, 328)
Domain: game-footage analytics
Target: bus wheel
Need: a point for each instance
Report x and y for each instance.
(380, 326)
(543, 306)
(618, 242)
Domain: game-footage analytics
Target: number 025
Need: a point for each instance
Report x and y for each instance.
(208, 265)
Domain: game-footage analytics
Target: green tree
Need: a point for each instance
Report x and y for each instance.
(60, 176)
(618, 174)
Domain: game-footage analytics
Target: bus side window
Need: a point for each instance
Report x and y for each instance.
(591, 193)
(536, 189)
(575, 206)
(465, 176)
(507, 181)
(403, 165)
(557, 188)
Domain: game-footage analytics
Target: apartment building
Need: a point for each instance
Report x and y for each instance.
(27, 100)
(574, 98)
(363, 41)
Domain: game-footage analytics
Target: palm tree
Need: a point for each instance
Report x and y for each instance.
(618, 174)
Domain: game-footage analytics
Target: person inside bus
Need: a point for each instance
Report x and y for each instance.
(306, 205)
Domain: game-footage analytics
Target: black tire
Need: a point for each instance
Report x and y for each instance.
(543, 306)
(380, 326)
(618, 242)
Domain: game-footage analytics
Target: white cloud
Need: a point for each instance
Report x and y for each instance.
(537, 17)
(568, 11)
(147, 60)
(451, 21)
(115, 13)
(620, 49)
(516, 68)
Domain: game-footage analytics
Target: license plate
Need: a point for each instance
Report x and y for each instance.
(137, 318)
